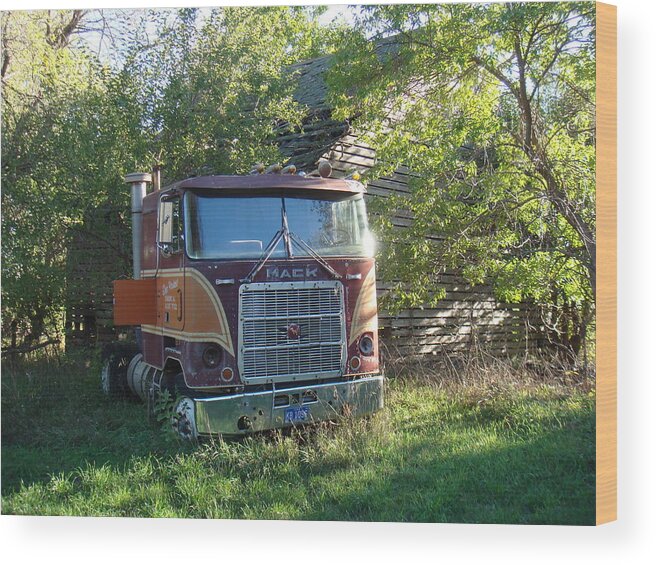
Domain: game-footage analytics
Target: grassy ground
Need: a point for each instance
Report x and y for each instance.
(476, 443)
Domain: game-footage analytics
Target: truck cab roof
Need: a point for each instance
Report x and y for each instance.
(263, 182)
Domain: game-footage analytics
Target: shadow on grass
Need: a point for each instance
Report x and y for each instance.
(515, 460)
(55, 419)
(27, 463)
(548, 479)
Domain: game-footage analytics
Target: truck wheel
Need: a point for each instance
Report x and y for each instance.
(183, 419)
(180, 415)
(114, 375)
(157, 387)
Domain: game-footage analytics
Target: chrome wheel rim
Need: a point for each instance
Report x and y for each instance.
(183, 420)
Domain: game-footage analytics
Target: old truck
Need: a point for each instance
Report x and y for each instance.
(253, 301)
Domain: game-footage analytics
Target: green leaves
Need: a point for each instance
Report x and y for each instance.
(198, 91)
(222, 90)
(492, 105)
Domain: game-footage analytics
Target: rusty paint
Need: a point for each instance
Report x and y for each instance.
(365, 312)
(202, 311)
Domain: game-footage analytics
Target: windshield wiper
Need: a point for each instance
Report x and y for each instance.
(285, 230)
(284, 233)
(319, 259)
(265, 255)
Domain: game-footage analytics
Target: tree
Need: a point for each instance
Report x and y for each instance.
(40, 75)
(213, 86)
(201, 92)
(493, 106)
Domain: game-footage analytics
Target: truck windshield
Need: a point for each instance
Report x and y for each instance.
(241, 227)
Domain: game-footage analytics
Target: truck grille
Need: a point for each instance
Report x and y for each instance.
(291, 330)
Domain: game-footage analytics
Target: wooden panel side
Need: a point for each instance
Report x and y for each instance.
(606, 154)
(135, 302)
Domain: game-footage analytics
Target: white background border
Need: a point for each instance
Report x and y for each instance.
(632, 539)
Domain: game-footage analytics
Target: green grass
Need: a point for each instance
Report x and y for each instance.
(496, 450)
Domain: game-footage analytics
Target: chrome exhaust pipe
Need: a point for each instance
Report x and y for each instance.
(138, 193)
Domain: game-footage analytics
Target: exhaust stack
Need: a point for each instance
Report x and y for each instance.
(138, 193)
(156, 177)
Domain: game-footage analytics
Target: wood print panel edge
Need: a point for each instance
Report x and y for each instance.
(606, 348)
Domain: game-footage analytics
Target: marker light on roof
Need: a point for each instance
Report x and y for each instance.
(325, 168)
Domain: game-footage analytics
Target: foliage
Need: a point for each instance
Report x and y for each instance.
(490, 105)
(68, 129)
(493, 107)
(440, 451)
(200, 94)
(214, 90)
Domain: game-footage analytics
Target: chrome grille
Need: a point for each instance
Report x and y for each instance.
(267, 310)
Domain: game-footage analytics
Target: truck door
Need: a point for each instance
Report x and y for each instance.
(170, 264)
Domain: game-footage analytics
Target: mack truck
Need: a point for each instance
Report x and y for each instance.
(253, 302)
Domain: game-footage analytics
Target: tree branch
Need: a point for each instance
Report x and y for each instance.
(63, 36)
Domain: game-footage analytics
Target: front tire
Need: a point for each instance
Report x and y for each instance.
(170, 403)
(183, 419)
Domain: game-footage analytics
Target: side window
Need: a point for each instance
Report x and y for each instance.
(171, 230)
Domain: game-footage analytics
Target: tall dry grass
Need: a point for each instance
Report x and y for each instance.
(479, 369)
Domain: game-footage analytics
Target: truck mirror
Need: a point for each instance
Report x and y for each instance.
(166, 222)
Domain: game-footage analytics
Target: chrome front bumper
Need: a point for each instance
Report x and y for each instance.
(241, 414)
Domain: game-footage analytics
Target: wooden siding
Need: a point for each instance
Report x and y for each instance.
(98, 254)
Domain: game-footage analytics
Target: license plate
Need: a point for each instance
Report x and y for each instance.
(297, 414)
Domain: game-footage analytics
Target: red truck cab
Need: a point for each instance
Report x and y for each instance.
(255, 302)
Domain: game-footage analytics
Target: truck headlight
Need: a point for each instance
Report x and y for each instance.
(366, 345)
(212, 356)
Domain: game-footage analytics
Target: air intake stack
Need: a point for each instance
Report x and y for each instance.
(139, 183)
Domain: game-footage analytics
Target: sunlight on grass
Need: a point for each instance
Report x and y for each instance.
(490, 451)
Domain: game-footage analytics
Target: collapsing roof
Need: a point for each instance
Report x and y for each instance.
(319, 132)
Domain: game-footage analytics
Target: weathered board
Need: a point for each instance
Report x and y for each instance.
(98, 253)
